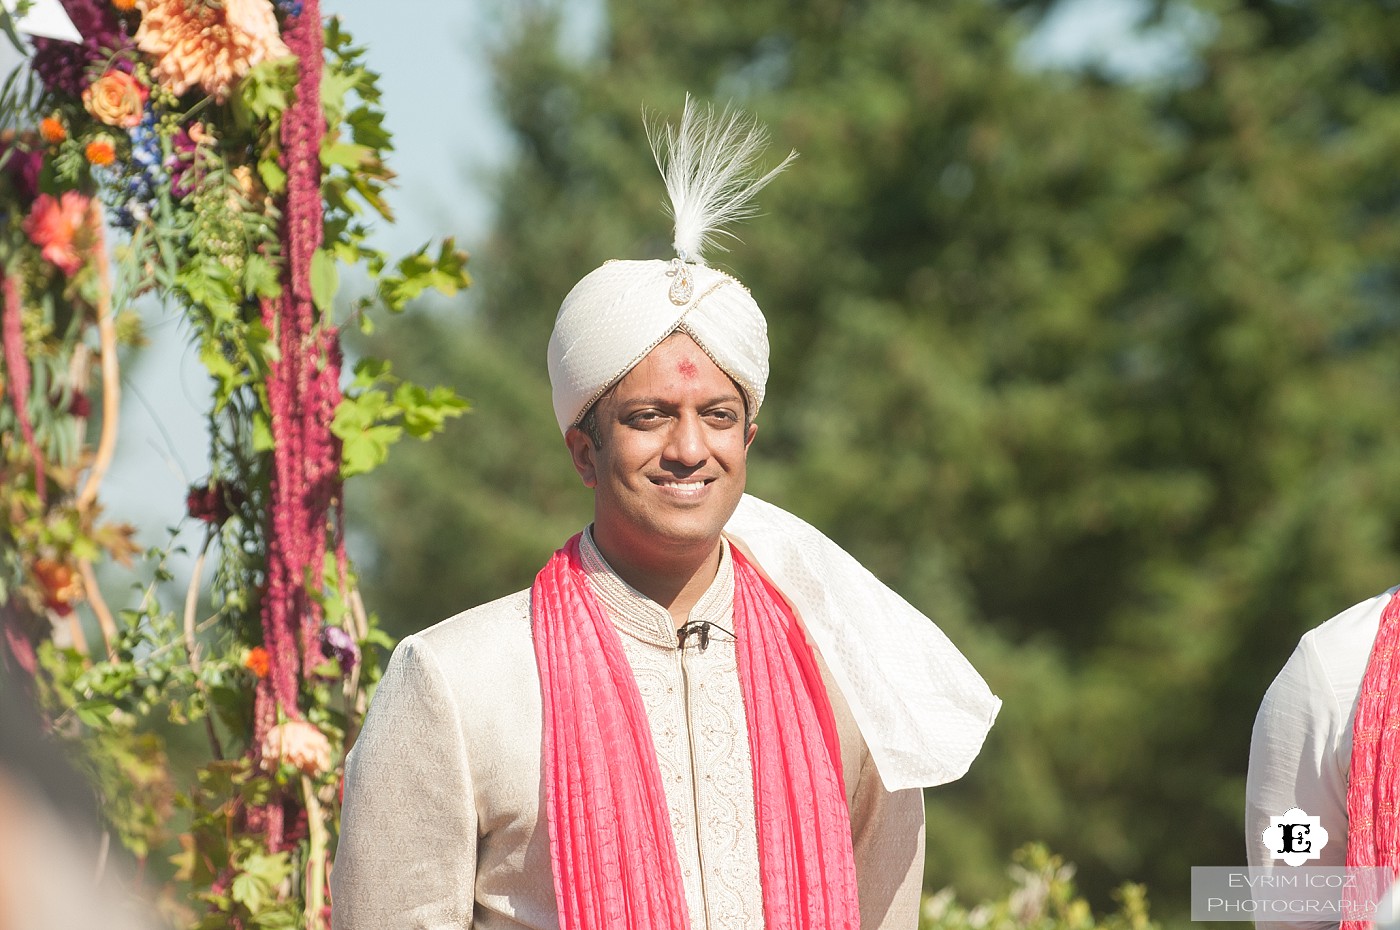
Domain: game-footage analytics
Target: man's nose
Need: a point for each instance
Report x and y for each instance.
(687, 444)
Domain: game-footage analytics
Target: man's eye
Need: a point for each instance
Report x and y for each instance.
(723, 416)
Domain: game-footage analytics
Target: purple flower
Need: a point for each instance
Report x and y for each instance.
(338, 642)
(21, 166)
(184, 165)
(63, 65)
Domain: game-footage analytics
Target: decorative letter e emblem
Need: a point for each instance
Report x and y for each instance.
(1295, 837)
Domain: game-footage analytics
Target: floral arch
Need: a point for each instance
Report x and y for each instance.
(226, 156)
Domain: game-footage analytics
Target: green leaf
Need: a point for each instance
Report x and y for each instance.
(273, 177)
(378, 637)
(369, 370)
(325, 280)
(418, 272)
(372, 193)
(360, 411)
(347, 155)
(328, 669)
(336, 82)
(264, 90)
(367, 450)
(262, 433)
(85, 548)
(270, 868)
(250, 892)
(257, 339)
(227, 376)
(260, 277)
(361, 423)
(210, 285)
(7, 23)
(425, 412)
(367, 127)
(232, 705)
(94, 713)
(277, 918)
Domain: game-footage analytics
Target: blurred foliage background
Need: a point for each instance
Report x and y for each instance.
(1100, 373)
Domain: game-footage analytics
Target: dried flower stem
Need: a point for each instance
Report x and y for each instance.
(111, 380)
(79, 376)
(75, 629)
(192, 644)
(105, 622)
(319, 838)
(356, 704)
(103, 852)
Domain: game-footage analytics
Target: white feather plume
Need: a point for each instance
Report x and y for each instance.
(709, 165)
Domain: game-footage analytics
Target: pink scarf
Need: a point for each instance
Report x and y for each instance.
(615, 864)
(1373, 823)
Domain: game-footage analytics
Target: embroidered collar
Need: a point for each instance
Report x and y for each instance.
(637, 615)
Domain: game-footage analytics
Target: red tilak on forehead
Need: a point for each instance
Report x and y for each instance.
(687, 368)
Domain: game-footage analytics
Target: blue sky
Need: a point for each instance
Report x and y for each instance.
(435, 78)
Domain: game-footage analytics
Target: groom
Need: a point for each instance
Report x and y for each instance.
(704, 713)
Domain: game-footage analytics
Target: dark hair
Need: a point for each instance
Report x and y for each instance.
(589, 425)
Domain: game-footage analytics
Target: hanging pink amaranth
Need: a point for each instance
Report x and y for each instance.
(303, 389)
(17, 365)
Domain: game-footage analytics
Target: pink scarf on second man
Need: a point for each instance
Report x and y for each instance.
(615, 864)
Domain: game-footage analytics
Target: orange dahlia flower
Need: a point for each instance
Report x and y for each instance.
(258, 661)
(207, 45)
(56, 226)
(100, 151)
(51, 128)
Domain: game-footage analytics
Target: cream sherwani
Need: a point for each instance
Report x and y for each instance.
(1300, 751)
(442, 819)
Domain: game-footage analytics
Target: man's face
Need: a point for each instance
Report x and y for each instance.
(670, 467)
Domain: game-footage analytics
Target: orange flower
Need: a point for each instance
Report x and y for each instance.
(100, 151)
(258, 661)
(56, 226)
(117, 99)
(299, 743)
(207, 45)
(125, 6)
(51, 128)
(62, 586)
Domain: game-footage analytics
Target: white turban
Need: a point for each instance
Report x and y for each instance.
(621, 311)
(921, 706)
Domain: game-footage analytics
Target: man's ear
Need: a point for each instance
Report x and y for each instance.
(748, 438)
(583, 454)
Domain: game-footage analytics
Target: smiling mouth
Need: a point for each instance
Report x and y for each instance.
(676, 485)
